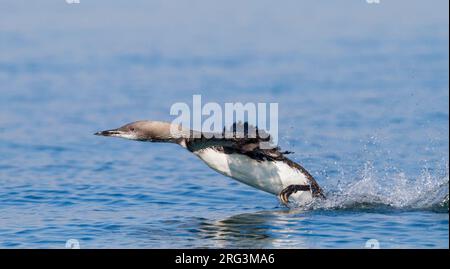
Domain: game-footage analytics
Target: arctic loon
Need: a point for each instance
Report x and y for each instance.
(237, 156)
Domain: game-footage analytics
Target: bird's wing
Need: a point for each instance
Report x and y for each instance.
(241, 138)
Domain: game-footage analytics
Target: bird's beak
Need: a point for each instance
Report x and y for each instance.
(114, 132)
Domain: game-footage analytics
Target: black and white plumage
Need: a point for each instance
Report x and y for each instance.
(235, 154)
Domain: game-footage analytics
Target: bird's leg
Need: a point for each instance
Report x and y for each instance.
(289, 190)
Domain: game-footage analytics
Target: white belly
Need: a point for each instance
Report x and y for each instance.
(269, 176)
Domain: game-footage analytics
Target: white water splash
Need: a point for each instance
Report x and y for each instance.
(397, 191)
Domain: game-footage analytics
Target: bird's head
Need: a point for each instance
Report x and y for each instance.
(151, 131)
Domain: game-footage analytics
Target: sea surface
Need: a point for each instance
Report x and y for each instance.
(363, 94)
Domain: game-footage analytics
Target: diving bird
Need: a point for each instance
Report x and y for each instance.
(237, 155)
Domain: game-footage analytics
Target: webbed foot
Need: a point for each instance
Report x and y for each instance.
(289, 190)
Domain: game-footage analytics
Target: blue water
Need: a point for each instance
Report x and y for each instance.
(363, 102)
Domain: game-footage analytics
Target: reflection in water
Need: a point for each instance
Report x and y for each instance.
(264, 229)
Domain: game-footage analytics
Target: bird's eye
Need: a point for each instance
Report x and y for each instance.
(132, 129)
